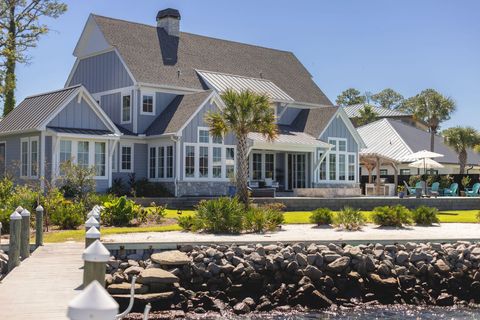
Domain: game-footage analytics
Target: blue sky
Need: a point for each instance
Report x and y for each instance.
(407, 45)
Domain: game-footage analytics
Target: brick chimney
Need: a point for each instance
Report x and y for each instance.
(169, 20)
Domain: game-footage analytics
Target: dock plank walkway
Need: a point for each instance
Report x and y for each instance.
(43, 285)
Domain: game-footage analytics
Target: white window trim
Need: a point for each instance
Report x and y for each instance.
(157, 156)
(29, 141)
(262, 153)
(210, 146)
(91, 154)
(114, 167)
(337, 152)
(121, 107)
(131, 159)
(149, 94)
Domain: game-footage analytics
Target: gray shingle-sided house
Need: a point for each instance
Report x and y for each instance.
(136, 99)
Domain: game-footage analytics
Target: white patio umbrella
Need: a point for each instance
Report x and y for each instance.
(426, 163)
(422, 154)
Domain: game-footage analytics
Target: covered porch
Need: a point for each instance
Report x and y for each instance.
(287, 164)
(378, 187)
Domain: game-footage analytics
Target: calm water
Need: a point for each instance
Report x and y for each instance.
(389, 312)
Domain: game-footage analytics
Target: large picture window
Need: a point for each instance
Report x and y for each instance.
(262, 166)
(340, 164)
(86, 154)
(161, 162)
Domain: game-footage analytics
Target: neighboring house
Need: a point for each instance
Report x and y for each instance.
(136, 99)
(395, 140)
(353, 112)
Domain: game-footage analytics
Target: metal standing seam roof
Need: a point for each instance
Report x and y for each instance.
(397, 140)
(353, 111)
(34, 110)
(286, 136)
(221, 82)
(155, 57)
(82, 131)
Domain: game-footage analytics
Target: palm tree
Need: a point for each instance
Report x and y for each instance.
(244, 112)
(432, 108)
(461, 139)
(367, 115)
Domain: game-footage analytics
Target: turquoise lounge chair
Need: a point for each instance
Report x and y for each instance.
(473, 191)
(451, 191)
(435, 189)
(413, 190)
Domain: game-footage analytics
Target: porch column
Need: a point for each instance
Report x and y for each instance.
(377, 183)
(395, 175)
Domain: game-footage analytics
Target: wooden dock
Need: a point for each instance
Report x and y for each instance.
(43, 285)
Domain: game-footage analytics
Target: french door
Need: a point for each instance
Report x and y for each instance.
(296, 171)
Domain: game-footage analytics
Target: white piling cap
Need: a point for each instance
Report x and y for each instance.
(92, 233)
(39, 208)
(19, 209)
(94, 213)
(96, 252)
(92, 222)
(15, 216)
(25, 213)
(93, 303)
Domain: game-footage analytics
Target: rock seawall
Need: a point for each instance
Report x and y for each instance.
(262, 278)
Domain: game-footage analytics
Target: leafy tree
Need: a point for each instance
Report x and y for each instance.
(388, 98)
(367, 115)
(461, 139)
(432, 108)
(244, 112)
(349, 97)
(20, 29)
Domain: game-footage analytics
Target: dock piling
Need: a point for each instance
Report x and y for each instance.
(25, 234)
(39, 226)
(14, 244)
(95, 258)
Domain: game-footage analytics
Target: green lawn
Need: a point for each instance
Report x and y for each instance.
(291, 217)
(466, 216)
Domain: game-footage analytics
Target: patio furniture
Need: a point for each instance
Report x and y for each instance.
(451, 191)
(473, 191)
(413, 190)
(435, 189)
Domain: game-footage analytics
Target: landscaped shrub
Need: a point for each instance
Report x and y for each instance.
(263, 218)
(120, 212)
(77, 181)
(69, 215)
(391, 216)
(222, 215)
(52, 199)
(118, 187)
(152, 214)
(186, 222)
(425, 215)
(322, 216)
(6, 189)
(5, 220)
(349, 219)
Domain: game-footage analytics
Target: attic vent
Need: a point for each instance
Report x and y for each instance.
(169, 20)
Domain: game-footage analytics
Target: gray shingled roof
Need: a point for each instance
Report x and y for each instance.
(313, 121)
(34, 110)
(353, 111)
(155, 57)
(398, 140)
(177, 113)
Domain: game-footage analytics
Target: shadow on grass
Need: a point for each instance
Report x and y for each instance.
(323, 226)
(448, 214)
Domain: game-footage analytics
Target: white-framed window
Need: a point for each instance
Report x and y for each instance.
(85, 154)
(209, 161)
(148, 104)
(65, 153)
(29, 156)
(229, 162)
(190, 161)
(160, 165)
(203, 135)
(126, 158)
(262, 165)
(339, 165)
(404, 172)
(126, 114)
(100, 159)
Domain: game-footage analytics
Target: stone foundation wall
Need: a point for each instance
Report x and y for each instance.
(206, 188)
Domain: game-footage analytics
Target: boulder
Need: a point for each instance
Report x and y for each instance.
(155, 275)
(445, 300)
(169, 258)
(402, 257)
(241, 308)
(339, 265)
(133, 270)
(441, 266)
(125, 287)
(384, 283)
(313, 272)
